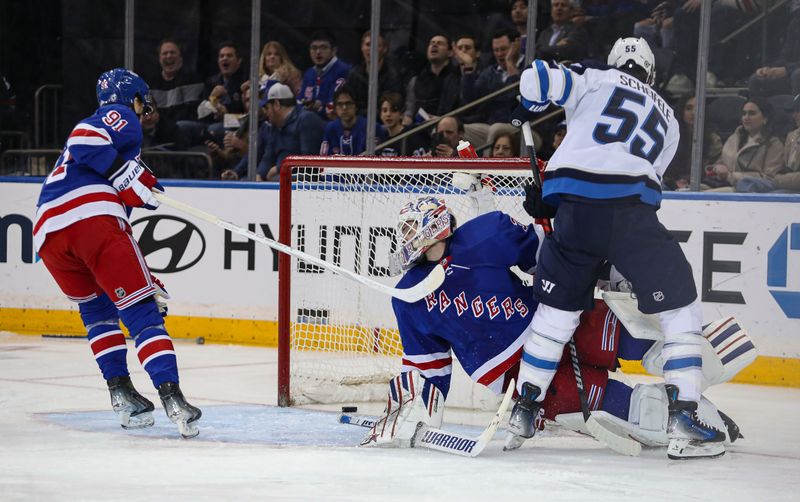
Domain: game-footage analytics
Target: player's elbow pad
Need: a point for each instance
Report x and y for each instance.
(542, 83)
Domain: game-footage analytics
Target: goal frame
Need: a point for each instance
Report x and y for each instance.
(289, 165)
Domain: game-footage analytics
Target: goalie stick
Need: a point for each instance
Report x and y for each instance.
(415, 293)
(447, 441)
(620, 444)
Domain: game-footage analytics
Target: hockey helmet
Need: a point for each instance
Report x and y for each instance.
(422, 223)
(635, 50)
(122, 86)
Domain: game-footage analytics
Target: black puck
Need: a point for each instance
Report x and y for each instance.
(349, 409)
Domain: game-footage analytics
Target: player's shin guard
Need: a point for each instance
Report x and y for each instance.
(682, 352)
(105, 338)
(547, 334)
(153, 345)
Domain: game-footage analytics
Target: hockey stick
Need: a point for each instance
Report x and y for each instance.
(622, 445)
(447, 441)
(410, 295)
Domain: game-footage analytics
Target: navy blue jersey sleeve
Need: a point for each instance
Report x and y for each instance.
(423, 351)
(502, 240)
(113, 131)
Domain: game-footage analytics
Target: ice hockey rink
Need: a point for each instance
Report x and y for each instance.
(60, 441)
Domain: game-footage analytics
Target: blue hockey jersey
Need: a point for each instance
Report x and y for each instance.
(78, 186)
(340, 141)
(320, 85)
(480, 312)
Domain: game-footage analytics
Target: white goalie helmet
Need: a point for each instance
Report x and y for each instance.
(637, 51)
(422, 223)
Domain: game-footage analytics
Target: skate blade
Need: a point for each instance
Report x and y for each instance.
(187, 430)
(513, 442)
(140, 421)
(684, 449)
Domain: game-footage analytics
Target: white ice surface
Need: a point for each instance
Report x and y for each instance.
(59, 441)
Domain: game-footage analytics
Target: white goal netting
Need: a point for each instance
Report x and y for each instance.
(344, 343)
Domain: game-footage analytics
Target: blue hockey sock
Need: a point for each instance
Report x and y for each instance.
(630, 348)
(617, 400)
(105, 337)
(153, 345)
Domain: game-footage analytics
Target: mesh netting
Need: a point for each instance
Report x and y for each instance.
(344, 340)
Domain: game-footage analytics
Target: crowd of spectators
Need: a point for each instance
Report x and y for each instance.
(323, 108)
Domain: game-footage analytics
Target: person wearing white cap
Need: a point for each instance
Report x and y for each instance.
(294, 131)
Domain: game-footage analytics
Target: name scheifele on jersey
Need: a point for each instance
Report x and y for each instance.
(663, 107)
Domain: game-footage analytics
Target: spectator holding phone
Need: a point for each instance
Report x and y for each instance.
(449, 131)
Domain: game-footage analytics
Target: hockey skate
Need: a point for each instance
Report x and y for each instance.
(181, 413)
(522, 422)
(690, 436)
(133, 410)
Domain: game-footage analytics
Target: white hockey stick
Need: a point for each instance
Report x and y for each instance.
(447, 441)
(410, 295)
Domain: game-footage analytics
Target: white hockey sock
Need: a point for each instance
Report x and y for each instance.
(682, 352)
(547, 334)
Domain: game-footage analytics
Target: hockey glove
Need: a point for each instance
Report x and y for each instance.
(535, 206)
(134, 182)
(521, 114)
(160, 296)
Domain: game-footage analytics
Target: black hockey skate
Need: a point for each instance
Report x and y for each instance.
(689, 435)
(733, 430)
(181, 413)
(522, 422)
(133, 410)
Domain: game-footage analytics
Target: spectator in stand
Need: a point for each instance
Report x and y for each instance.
(752, 156)
(392, 106)
(358, 78)
(493, 115)
(233, 151)
(519, 18)
(177, 90)
(425, 89)
(466, 54)
(347, 134)
(223, 95)
(160, 132)
(563, 40)
(294, 130)
(605, 21)
(325, 77)
(506, 145)
(789, 179)
(783, 75)
(275, 65)
(449, 131)
(679, 172)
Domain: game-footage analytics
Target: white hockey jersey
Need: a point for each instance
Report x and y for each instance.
(621, 135)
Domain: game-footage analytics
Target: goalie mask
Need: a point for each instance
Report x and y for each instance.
(634, 50)
(124, 87)
(423, 223)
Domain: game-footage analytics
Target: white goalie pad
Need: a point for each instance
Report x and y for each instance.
(412, 402)
(625, 307)
(647, 418)
(726, 350)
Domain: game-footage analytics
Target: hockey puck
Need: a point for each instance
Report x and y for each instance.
(200, 340)
(349, 409)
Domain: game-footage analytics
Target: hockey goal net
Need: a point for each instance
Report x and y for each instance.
(338, 340)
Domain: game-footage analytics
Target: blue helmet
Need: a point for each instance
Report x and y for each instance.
(121, 86)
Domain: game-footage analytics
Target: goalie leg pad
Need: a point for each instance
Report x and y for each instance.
(726, 350)
(412, 402)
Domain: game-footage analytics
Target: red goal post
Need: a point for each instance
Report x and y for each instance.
(335, 335)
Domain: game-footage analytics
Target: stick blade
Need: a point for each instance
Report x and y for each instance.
(423, 288)
(620, 444)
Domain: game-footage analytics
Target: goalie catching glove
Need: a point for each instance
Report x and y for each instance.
(134, 181)
(412, 402)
